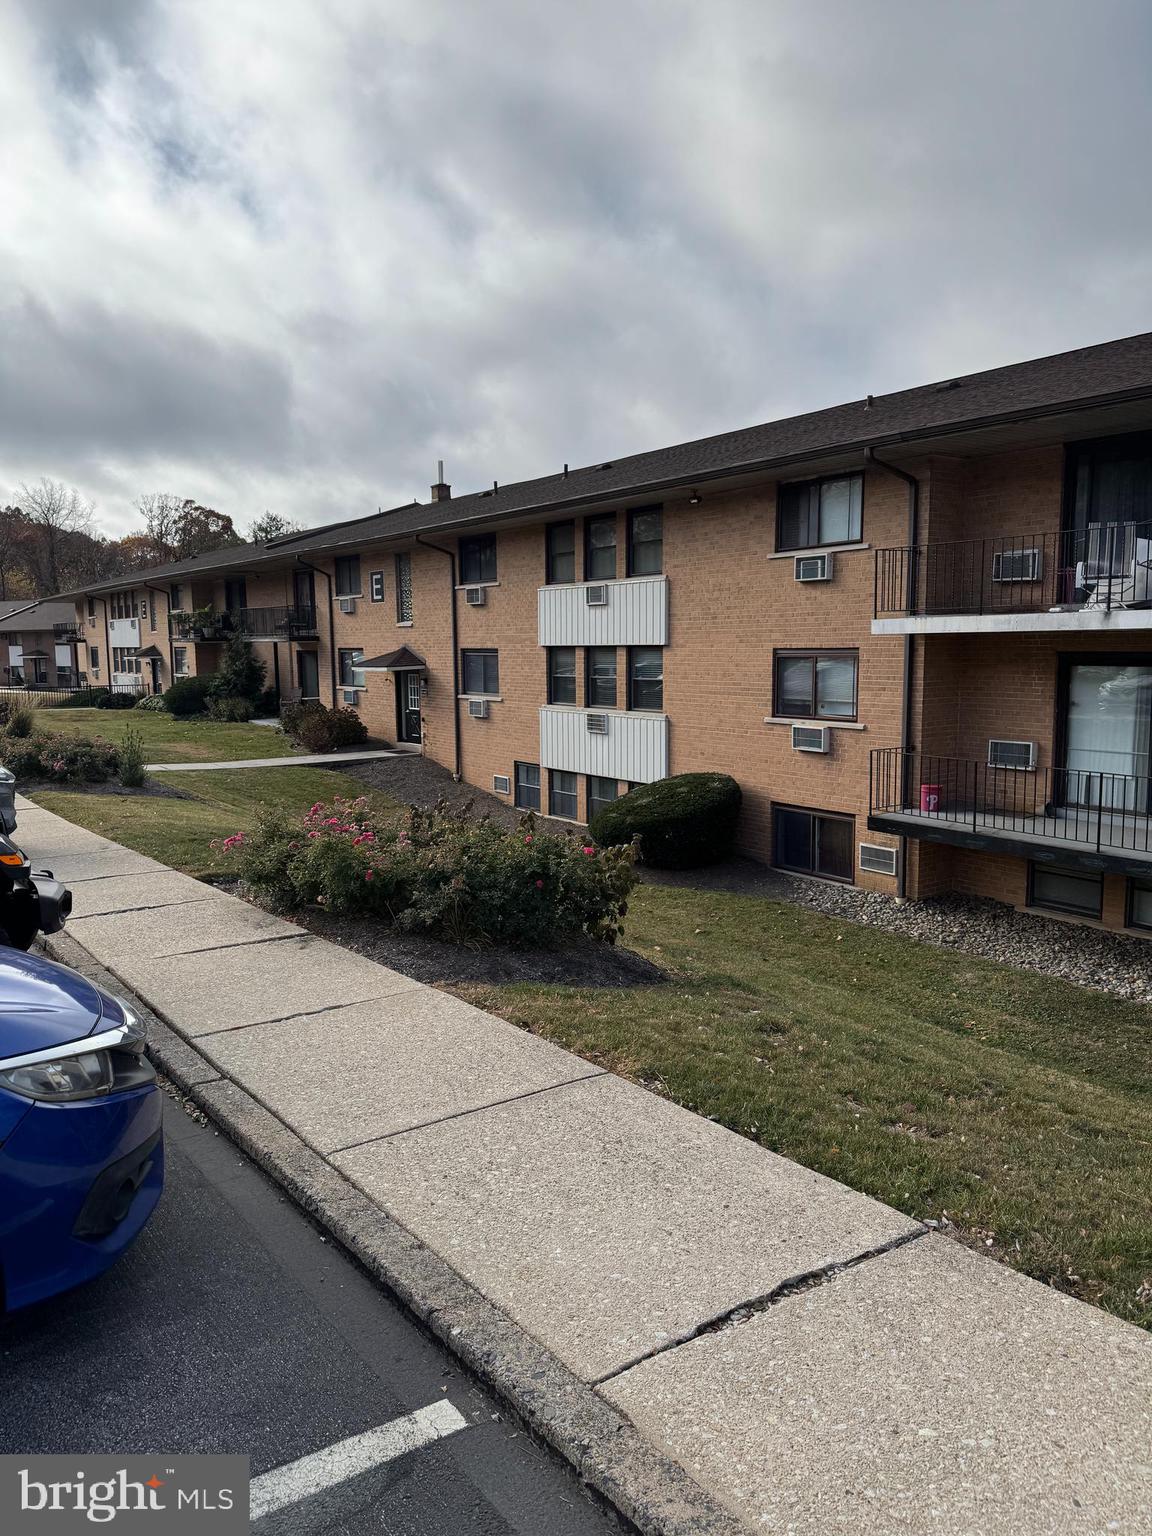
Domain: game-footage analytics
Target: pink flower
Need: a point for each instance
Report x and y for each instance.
(587, 849)
(333, 821)
(539, 885)
(293, 847)
(528, 838)
(313, 834)
(369, 874)
(317, 808)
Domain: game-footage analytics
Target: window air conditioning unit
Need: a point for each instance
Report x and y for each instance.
(477, 709)
(1017, 565)
(1012, 754)
(877, 859)
(501, 784)
(347, 604)
(810, 738)
(475, 597)
(596, 597)
(813, 567)
(349, 695)
(597, 725)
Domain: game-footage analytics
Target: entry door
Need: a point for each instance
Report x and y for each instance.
(308, 674)
(154, 668)
(235, 594)
(1108, 735)
(303, 589)
(408, 706)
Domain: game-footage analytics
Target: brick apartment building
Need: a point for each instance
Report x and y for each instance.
(38, 644)
(917, 628)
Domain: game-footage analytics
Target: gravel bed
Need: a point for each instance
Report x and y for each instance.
(1089, 957)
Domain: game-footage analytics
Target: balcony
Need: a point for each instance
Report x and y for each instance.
(625, 744)
(1070, 816)
(295, 623)
(630, 611)
(1098, 578)
(67, 632)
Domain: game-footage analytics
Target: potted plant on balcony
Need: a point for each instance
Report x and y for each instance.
(202, 622)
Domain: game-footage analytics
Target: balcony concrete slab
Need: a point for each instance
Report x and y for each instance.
(148, 888)
(430, 1054)
(157, 932)
(219, 989)
(608, 1222)
(926, 1390)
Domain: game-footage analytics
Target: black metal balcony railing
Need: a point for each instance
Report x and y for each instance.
(1104, 566)
(1088, 809)
(295, 623)
(67, 631)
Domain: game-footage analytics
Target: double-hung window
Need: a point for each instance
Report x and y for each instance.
(528, 786)
(645, 541)
(93, 658)
(815, 512)
(816, 685)
(601, 792)
(350, 674)
(481, 672)
(563, 794)
(179, 661)
(600, 677)
(348, 576)
(404, 589)
(561, 674)
(478, 559)
(600, 548)
(560, 552)
(645, 677)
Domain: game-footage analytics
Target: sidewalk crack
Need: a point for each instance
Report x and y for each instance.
(732, 1317)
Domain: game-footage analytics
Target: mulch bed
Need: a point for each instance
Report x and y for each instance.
(151, 788)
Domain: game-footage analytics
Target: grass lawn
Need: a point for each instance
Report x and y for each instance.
(167, 740)
(179, 832)
(1019, 1108)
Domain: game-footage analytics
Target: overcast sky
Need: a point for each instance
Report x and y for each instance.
(288, 253)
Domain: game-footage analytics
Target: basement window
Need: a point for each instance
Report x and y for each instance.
(1058, 888)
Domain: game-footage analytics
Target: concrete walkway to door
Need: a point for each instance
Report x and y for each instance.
(315, 760)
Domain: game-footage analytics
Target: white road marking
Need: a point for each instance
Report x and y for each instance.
(349, 1458)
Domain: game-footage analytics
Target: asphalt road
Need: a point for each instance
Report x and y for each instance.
(233, 1326)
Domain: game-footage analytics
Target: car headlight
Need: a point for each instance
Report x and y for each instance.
(113, 1063)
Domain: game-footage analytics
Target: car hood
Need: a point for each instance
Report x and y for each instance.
(44, 1004)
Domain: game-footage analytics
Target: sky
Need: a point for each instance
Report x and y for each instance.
(287, 254)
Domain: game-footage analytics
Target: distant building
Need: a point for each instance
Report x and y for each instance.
(38, 644)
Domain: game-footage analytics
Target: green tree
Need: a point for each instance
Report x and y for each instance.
(271, 526)
(240, 674)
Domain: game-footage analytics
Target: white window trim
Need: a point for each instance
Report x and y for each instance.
(832, 725)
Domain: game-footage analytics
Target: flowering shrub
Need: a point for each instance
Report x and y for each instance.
(65, 759)
(438, 872)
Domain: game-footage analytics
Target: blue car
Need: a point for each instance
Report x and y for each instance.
(81, 1150)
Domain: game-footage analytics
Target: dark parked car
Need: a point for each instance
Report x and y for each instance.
(81, 1150)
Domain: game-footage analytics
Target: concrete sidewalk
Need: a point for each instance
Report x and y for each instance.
(717, 1337)
(314, 760)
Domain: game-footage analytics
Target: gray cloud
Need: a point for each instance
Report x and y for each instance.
(289, 256)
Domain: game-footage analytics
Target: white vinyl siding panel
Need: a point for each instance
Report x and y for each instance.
(635, 748)
(636, 613)
(124, 634)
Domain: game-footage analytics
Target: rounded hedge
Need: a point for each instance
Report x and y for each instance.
(187, 696)
(680, 822)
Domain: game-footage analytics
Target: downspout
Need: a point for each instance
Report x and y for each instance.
(440, 550)
(166, 594)
(107, 644)
(331, 620)
(913, 485)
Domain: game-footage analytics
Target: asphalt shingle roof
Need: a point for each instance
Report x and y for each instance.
(1112, 370)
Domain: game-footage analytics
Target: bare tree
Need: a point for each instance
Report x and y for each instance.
(15, 536)
(163, 514)
(54, 510)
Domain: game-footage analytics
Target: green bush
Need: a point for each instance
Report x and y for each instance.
(21, 718)
(678, 823)
(240, 673)
(186, 697)
(268, 704)
(117, 699)
(153, 703)
(438, 872)
(83, 698)
(132, 759)
(223, 708)
(63, 759)
(319, 729)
